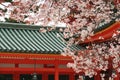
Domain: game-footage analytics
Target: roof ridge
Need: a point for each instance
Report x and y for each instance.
(24, 26)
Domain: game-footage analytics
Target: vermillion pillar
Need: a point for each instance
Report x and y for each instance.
(71, 76)
(44, 76)
(16, 76)
(56, 75)
(56, 70)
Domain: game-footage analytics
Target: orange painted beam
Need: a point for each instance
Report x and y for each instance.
(27, 69)
(21, 58)
(106, 34)
(32, 61)
(32, 56)
(32, 70)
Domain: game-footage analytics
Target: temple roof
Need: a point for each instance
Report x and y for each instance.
(27, 38)
(16, 37)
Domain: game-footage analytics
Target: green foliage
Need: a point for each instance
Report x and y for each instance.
(8, 0)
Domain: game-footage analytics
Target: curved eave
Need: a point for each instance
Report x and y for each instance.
(105, 34)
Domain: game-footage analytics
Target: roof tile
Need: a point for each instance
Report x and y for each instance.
(30, 40)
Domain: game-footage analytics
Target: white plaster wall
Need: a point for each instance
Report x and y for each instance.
(62, 66)
(7, 65)
(30, 65)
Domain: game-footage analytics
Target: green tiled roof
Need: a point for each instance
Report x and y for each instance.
(26, 38)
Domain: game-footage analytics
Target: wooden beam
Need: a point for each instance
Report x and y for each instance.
(31, 70)
(33, 56)
(31, 61)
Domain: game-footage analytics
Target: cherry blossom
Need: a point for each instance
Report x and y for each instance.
(81, 18)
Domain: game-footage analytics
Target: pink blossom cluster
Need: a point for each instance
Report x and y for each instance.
(99, 57)
(81, 17)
